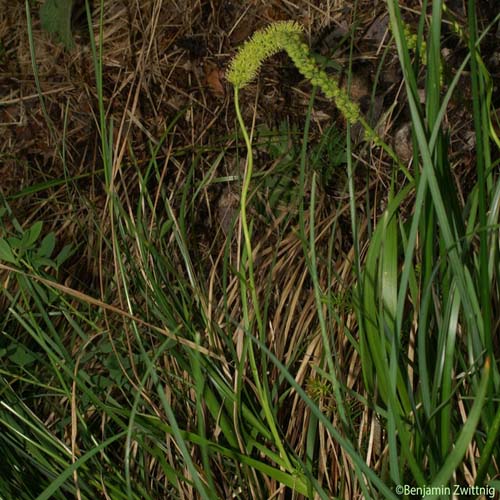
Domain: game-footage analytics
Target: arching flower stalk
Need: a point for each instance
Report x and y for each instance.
(287, 36)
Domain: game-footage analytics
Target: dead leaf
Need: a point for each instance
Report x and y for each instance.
(242, 32)
(378, 29)
(213, 77)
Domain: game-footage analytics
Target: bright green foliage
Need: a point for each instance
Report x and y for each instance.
(412, 42)
(55, 16)
(299, 53)
(25, 250)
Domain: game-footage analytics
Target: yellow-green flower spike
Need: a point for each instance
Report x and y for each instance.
(265, 43)
(411, 41)
(299, 54)
(286, 35)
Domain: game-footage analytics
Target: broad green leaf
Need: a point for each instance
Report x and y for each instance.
(32, 234)
(15, 243)
(47, 245)
(55, 16)
(21, 356)
(39, 262)
(64, 254)
(6, 252)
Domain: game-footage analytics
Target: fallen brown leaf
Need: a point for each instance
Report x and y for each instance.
(214, 76)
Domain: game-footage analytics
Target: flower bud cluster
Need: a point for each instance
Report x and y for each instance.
(411, 42)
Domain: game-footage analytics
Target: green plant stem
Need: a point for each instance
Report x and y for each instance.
(287, 36)
(243, 208)
(482, 156)
(251, 284)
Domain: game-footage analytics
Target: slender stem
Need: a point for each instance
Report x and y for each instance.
(250, 282)
(243, 207)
